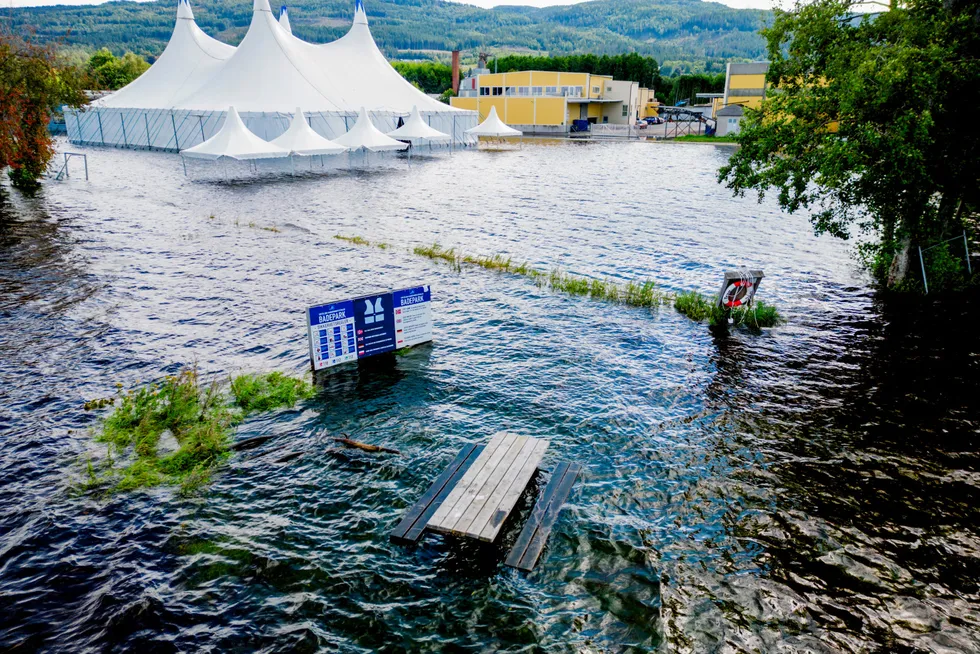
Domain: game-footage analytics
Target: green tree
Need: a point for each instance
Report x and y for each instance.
(32, 84)
(870, 124)
(107, 72)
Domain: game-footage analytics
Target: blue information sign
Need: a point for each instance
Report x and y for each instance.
(374, 323)
(332, 334)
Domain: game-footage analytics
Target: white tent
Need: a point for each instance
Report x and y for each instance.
(365, 135)
(180, 102)
(493, 126)
(234, 140)
(189, 60)
(302, 140)
(415, 129)
(284, 19)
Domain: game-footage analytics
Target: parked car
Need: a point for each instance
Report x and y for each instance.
(654, 120)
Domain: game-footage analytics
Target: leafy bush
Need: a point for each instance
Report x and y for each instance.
(271, 391)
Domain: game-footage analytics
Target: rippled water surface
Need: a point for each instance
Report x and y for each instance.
(811, 488)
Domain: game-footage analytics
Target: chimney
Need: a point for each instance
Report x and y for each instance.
(455, 71)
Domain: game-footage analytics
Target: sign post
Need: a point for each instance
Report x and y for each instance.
(738, 289)
(364, 326)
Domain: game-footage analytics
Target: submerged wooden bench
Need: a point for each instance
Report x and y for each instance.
(475, 494)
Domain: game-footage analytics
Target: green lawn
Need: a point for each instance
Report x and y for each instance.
(700, 138)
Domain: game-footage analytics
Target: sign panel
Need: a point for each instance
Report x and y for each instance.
(374, 322)
(332, 334)
(413, 316)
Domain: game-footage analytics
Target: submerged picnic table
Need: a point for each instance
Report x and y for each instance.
(475, 494)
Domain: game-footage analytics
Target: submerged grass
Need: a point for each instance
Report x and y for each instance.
(270, 391)
(634, 293)
(197, 417)
(697, 307)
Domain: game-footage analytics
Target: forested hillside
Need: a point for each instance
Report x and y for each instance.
(688, 32)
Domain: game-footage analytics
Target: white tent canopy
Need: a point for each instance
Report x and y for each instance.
(365, 135)
(180, 101)
(234, 140)
(493, 126)
(302, 140)
(189, 60)
(416, 129)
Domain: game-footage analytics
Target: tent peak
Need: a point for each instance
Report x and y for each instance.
(184, 10)
(261, 5)
(284, 19)
(360, 16)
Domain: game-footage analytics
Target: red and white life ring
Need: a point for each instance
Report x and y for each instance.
(737, 294)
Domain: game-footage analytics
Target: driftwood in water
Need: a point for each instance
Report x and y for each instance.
(249, 443)
(364, 446)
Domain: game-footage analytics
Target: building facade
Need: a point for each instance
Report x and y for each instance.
(549, 102)
(745, 87)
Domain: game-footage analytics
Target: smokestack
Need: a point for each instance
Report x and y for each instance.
(455, 71)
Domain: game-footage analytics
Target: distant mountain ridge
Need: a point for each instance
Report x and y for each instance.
(670, 30)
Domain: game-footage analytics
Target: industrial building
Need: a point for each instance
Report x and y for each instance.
(745, 86)
(545, 102)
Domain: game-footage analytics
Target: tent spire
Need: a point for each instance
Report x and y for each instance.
(261, 5)
(360, 17)
(184, 10)
(284, 19)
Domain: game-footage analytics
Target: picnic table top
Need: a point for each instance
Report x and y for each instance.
(479, 504)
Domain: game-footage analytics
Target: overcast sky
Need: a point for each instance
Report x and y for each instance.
(760, 4)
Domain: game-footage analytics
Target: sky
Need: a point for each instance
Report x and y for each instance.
(742, 4)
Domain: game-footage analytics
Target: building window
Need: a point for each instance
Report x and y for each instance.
(575, 91)
(564, 90)
(551, 90)
(498, 90)
(484, 90)
(523, 90)
(536, 90)
(626, 111)
(732, 122)
(511, 90)
(596, 89)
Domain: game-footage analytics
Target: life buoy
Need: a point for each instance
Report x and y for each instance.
(737, 294)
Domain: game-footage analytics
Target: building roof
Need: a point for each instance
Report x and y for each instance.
(730, 110)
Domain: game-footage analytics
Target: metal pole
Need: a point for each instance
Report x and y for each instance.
(923, 264)
(101, 135)
(966, 248)
(174, 123)
(122, 121)
(184, 162)
(200, 122)
(66, 165)
(146, 122)
(85, 161)
(452, 143)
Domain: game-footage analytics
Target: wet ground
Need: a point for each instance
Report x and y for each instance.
(810, 488)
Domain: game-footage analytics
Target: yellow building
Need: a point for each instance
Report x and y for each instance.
(745, 86)
(544, 101)
(649, 105)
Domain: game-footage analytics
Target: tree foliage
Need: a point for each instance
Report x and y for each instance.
(429, 76)
(631, 66)
(672, 90)
(871, 123)
(109, 72)
(32, 84)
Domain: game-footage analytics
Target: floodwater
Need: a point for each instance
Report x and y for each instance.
(811, 488)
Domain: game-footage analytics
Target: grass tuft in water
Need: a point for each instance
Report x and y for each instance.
(270, 391)
(438, 253)
(197, 421)
(355, 240)
(693, 305)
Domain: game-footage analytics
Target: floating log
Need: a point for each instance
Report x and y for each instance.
(365, 446)
(249, 443)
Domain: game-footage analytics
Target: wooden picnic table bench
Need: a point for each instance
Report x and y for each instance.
(474, 495)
